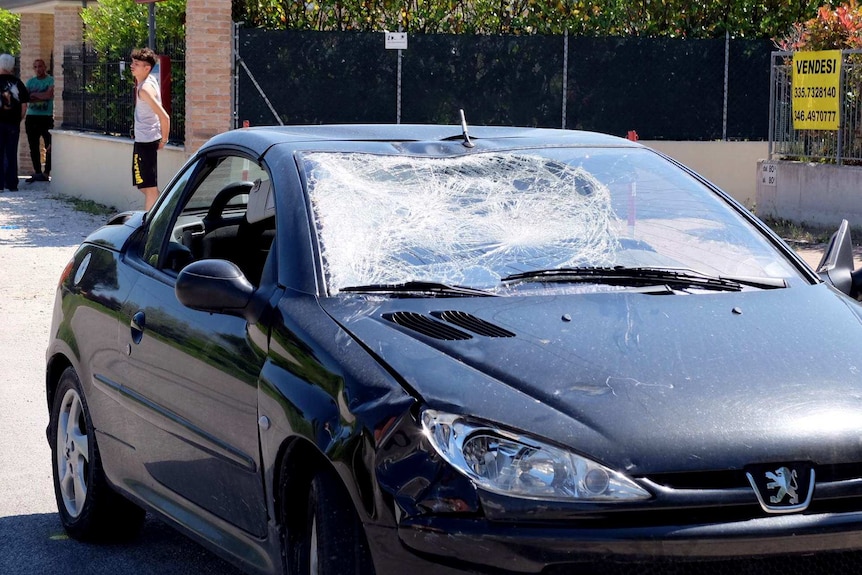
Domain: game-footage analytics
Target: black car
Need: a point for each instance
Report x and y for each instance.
(410, 349)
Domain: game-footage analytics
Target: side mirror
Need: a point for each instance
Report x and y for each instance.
(216, 286)
(836, 265)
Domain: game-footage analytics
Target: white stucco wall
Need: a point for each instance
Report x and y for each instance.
(732, 166)
(99, 168)
(819, 194)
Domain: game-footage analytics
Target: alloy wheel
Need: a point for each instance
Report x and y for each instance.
(73, 457)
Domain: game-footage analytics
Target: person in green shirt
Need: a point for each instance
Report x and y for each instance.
(40, 119)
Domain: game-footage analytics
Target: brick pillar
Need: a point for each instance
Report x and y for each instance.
(68, 32)
(209, 39)
(37, 40)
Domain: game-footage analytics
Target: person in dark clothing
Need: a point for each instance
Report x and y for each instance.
(14, 98)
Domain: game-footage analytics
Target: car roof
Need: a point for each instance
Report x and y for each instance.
(261, 138)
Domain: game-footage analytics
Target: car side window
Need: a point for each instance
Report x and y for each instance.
(161, 218)
(213, 221)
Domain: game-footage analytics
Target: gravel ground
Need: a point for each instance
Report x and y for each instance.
(38, 234)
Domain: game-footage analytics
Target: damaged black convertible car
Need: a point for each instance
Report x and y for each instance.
(414, 349)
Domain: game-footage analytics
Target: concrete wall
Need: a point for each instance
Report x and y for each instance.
(99, 168)
(818, 194)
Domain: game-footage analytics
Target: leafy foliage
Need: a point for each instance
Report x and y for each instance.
(650, 18)
(112, 26)
(10, 31)
(709, 18)
(832, 29)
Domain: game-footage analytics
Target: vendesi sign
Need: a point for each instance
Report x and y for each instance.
(815, 81)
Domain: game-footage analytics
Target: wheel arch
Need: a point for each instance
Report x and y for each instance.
(299, 459)
(56, 365)
(298, 462)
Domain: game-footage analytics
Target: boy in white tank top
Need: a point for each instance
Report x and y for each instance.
(152, 126)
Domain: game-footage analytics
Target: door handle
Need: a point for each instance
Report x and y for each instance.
(138, 324)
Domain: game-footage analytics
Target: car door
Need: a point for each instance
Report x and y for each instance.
(190, 378)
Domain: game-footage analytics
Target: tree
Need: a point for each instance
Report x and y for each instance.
(10, 32)
(113, 26)
(708, 18)
(668, 18)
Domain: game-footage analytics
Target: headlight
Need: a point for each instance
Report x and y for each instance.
(514, 465)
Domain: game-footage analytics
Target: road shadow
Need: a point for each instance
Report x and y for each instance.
(36, 217)
(36, 545)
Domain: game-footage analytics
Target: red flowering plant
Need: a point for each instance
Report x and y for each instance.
(832, 29)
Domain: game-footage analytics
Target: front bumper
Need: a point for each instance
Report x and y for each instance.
(443, 545)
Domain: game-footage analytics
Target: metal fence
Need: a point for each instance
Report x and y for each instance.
(664, 89)
(98, 93)
(842, 146)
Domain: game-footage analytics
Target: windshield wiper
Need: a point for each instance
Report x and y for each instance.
(422, 288)
(619, 275)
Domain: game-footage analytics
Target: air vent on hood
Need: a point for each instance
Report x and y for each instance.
(426, 326)
(472, 323)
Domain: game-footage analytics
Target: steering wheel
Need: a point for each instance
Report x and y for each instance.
(225, 195)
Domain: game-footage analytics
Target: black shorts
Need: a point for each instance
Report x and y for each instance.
(144, 164)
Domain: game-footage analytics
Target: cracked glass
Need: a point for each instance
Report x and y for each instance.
(473, 219)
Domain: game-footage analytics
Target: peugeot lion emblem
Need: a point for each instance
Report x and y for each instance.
(778, 489)
(784, 480)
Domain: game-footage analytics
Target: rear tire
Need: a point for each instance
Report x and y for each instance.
(89, 509)
(329, 539)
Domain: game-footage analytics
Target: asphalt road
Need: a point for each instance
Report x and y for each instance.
(38, 234)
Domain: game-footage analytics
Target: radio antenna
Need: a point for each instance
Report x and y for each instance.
(467, 142)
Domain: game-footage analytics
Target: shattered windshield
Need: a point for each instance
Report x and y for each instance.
(472, 220)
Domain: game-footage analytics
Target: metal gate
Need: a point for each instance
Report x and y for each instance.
(838, 146)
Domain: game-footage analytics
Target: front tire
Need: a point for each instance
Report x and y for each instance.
(329, 539)
(89, 509)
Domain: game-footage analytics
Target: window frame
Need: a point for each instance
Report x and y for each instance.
(164, 215)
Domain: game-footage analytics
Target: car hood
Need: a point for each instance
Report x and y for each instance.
(644, 383)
